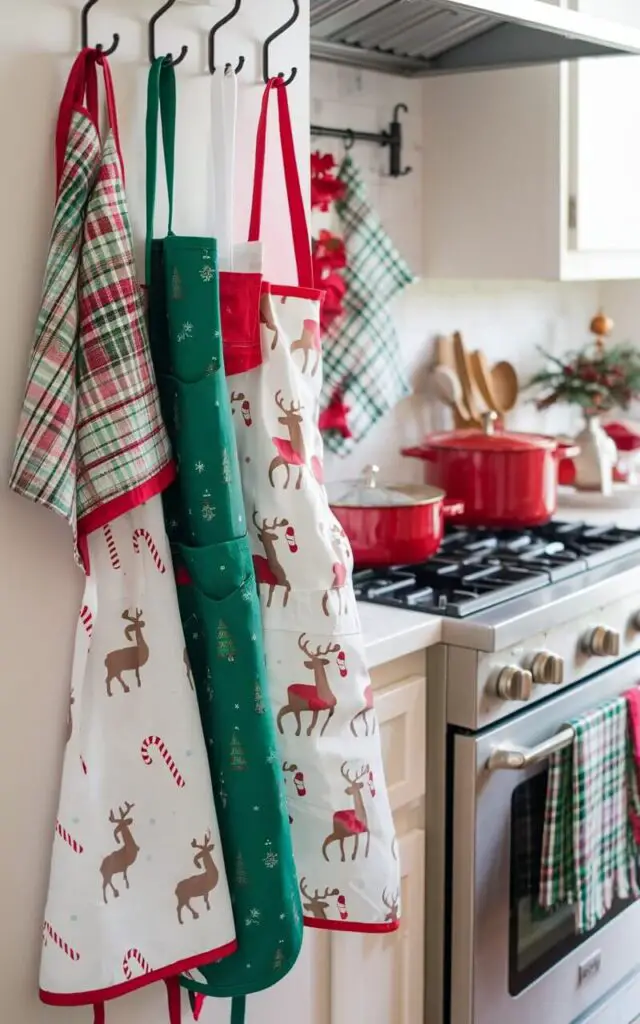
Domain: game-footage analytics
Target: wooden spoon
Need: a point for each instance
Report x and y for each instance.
(464, 373)
(448, 388)
(505, 388)
(482, 378)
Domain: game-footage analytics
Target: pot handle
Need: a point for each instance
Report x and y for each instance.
(419, 452)
(451, 508)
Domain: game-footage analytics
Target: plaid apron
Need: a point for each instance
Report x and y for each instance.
(588, 855)
(218, 597)
(319, 687)
(362, 358)
(137, 888)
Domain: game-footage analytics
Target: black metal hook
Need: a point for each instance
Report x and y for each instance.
(212, 41)
(275, 35)
(85, 31)
(395, 129)
(152, 37)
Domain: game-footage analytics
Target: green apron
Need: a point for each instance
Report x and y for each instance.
(217, 591)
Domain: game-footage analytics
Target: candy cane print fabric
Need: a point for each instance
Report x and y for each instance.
(320, 689)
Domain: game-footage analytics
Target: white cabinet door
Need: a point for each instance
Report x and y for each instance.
(402, 714)
(605, 116)
(379, 979)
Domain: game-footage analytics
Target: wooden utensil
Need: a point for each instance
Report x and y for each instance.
(504, 386)
(464, 373)
(448, 388)
(481, 374)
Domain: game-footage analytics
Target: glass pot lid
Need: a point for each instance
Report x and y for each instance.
(367, 492)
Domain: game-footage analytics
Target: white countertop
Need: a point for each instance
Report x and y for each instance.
(392, 633)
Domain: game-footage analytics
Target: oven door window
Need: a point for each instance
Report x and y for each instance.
(538, 939)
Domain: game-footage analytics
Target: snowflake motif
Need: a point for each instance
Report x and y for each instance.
(186, 332)
(208, 512)
(196, 636)
(283, 917)
(257, 807)
(224, 797)
(207, 273)
(237, 707)
(200, 467)
(216, 335)
(271, 859)
(246, 594)
(272, 757)
(211, 368)
(254, 917)
(174, 524)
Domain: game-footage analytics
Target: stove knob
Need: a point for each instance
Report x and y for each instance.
(514, 683)
(603, 642)
(547, 668)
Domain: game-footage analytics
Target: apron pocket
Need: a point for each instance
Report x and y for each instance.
(218, 571)
(200, 425)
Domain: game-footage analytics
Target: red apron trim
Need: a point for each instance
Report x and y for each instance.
(292, 291)
(351, 926)
(240, 316)
(126, 502)
(164, 973)
(174, 999)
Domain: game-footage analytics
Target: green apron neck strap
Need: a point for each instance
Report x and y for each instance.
(238, 1008)
(161, 98)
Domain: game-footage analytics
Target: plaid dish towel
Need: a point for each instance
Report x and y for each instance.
(632, 698)
(361, 352)
(587, 852)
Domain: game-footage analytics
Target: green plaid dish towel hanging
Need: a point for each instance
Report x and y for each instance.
(588, 855)
(362, 359)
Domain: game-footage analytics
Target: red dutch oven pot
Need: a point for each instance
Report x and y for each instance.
(391, 525)
(504, 479)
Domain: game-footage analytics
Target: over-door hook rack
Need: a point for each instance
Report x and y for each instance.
(85, 31)
(212, 41)
(392, 138)
(276, 35)
(152, 37)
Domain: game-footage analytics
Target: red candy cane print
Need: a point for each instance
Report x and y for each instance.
(111, 544)
(137, 957)
(155, 741)
(149, 541)
(50, 933)
(68, 839)
(86, 619)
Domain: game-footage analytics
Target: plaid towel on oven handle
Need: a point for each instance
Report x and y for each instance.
(361, 352)
(588, 857)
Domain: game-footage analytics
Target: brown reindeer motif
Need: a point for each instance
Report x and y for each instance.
(269, 570)
(119, 862)
(317, 905)
(292, 450)
(340, 544)
(267, 317)
(307, 697)
(128, 659)
(200, 885)
(187, 666)
(364, 714)
(392, 904)
(309, 343)
(351, 823)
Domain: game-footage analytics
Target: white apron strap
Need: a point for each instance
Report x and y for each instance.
(224, 122)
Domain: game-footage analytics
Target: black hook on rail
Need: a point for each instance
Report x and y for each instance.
(152, 37)
(212, 41)
(275, 35)
(85, 31)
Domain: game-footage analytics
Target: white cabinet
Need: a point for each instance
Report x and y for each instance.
(535, 173)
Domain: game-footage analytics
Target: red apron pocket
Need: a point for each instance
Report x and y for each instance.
(239, 308)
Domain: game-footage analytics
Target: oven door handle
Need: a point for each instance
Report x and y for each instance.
(517, 758)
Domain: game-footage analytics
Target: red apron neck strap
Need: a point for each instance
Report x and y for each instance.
(98, 1013)
(112, 110)
(299, 226)
(175, 1001)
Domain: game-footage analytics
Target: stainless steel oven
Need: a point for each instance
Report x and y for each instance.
(510, 961)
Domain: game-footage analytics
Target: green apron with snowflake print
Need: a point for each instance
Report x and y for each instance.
(217, 591)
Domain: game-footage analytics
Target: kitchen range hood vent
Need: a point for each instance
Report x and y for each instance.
(429, 37)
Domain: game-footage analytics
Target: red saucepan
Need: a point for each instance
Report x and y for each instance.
(504, 479)
(391, 525)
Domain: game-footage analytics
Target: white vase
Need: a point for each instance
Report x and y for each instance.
(597, 458)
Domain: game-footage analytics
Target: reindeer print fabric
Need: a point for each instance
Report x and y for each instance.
(319, 687)
(138, 881)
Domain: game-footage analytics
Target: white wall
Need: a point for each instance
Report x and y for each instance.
(506, 320)
(39, 587)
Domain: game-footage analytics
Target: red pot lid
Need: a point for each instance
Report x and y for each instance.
(489, 440)
(367, 492)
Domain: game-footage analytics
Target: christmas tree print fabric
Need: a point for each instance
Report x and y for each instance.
(219, 604)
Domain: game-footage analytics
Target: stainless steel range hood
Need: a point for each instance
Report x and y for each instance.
(429, 37)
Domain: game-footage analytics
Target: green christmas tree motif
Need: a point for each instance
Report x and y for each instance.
(237, 759)
(278, 960)
(208, 510)
(176, 284)
(227, 475)
(241, 872)
(226, 649)
(259, 705)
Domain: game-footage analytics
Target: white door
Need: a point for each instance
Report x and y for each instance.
(380, 978)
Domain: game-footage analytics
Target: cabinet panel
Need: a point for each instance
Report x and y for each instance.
(402, 716)
(380, 978)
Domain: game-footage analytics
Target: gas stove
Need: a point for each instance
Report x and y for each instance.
(477, 569)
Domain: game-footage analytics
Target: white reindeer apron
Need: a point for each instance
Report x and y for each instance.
(137, 889)
(343, 831)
